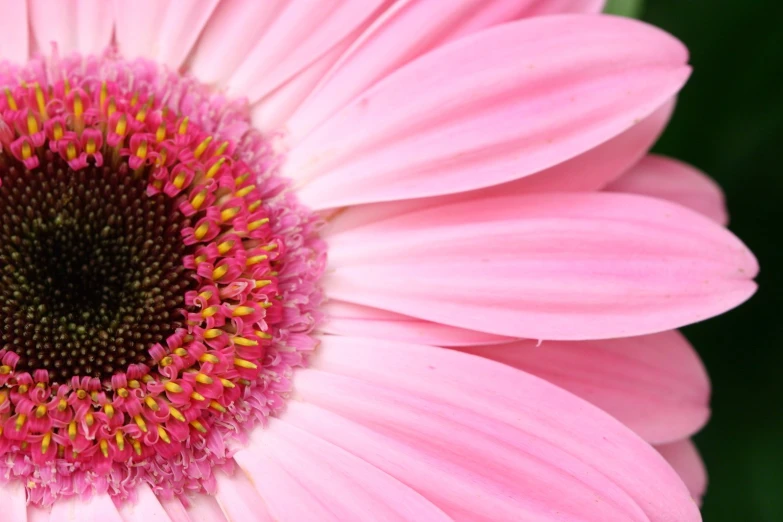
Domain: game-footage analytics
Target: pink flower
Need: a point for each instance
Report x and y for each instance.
(350, 260)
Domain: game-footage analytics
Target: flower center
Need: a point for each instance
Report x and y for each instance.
(92, 268)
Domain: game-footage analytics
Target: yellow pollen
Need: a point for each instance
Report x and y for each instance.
(47, 439)
(225, 246)
(58, 131)
(133, 384)
(214, 168)
(136, 446)
(94, 396)
(204, 378)
(10, 99)
(266, 305)
(241, 193)
(62, 405)
(134, 99)
(261, 283)
(181, 352)
(221, 149)
(112, 108)
(141, 115)
(22, 388)
(197, 396)
(32, 123)
(209, 312)
(163, 435)
(122, 125)
(122, 392)
(254, 206)
(200, 259)
(27, 151)
(150, 402)
(199, 199)
(40, 411)
(241, 311)
(229, 213)
(219, 272)
(104, 94)
(241, 178)
(200, 427)
(173, 387)
(241, 341)
(201, 231)
(141, 152)
(183, 127)
(67, 86)
(140, 423)
(202, 147)
(20, 421)
(109, 410)
(90, 148)
(72, 430)
(40, 100)
(104, 448)
(89, 419)
(78, 106)
(244, 364)
(255, 224)
(166, 361)
(161, 158)
(120, 440)
(5, 369)
(212, 333)
(256, 259)
(179, 181)
(160, 134)
(209, 358)
(226, 383)
(71, 151)
(176, 414)
(262, 335)
(215, 405)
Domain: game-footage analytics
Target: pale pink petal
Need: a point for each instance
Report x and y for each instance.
(362, 321)
(204, 508)
(587, 172)
(654, 384)
(667, 178)
(301, 33)
(38, 514)
(326, 481)
(145, 508)
(163, 30)
(685, 459)
(85, 26)
(492, 107)
(239, 499)
(95, 508)
(481, 440)
(12, 500)
(14, 45)
(405, 32)
(175, 510)
(546, 266)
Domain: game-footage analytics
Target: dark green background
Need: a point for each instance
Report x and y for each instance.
(729, 123)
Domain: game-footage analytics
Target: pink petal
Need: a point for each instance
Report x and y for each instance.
(300, 34)
(667, 178)
(361, 321)
(239, 499)
(14, 45)
(175, 510)
(587, 172)
(37, 514)
(96, 508)
(406, 31)
(327, 482)
(685, 459)
(12, 500)
(481, 440)
(548, 266)
(163, 30)
(205, 508)
(495, 106)
(654, 384)
(146, 507)
(85, 26)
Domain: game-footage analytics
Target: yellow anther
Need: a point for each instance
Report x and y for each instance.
(40, 385)
(3, 397)
(221, 149)
(202, 147)
(136, 446)
(122, 125)
(198, 199)
(173, 387)
(219, 272)
(214, 168)
(67, 86)
(22, 388)
(134, 99)
(229, 213)
(183, 127)
(244, 364)
(78, 106)
(120, 440)
(262, 335)
(201, 231)
(58, 131)
(261, 283)
(134, 384)
(204, 378)
(122, 392)
(5, 369)
(179, 181)
(141, 115)
(225, 246)
(27, 150)
(166, 361)
(94, 396)
(241, 341)
(45, 442)
(212, 333)
(266, 305)
(40, 411)
(150, 402)
(200, 427)
(200, 259)
(61, 405)
(140, 423)
(20, 421)
(254, 206)
(209, 312)
(89, 418)
(215, 405)
(209, 358)
(197, 396)
(256, 224)
(103, 95)
(163, 435)
(241, 311)
(241, 193)
(40, 100)
(226, 383)
(112, 108)
(161, 159)
(241, 178)
(160, 134)
(176, 414)
(72, 430)
(109, 410)
(70, 151)
(10, 99)
(256, 259)
(181, 352)
(90, 147)
(141, 151)
(32, 123)
(104, 448)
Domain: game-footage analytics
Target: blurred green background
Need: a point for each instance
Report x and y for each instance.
(729, 123)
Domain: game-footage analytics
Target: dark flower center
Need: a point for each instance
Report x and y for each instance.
(91, 271)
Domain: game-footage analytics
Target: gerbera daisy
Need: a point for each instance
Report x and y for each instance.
(311, 260)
